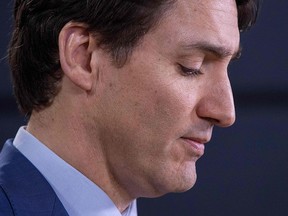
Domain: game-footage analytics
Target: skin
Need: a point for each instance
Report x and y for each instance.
(138, 130)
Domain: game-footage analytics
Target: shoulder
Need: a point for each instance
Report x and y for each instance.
(5, 205)
(6, 158)
(23, 189)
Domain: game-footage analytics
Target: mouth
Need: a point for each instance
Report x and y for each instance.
(196, 147)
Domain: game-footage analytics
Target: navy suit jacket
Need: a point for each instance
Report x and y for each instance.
(23, 189)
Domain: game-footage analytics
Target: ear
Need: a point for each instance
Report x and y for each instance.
(75, 54)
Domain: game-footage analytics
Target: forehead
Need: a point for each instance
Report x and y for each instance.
(200, 20)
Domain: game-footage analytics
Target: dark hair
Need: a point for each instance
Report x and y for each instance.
(33, 52)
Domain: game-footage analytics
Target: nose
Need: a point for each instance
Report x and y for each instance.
(217, 103)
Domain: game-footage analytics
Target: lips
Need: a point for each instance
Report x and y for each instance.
(196, 146)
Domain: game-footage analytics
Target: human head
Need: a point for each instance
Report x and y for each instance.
(34, 51)
(144, 109)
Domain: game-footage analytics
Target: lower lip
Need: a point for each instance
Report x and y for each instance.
(198, 148)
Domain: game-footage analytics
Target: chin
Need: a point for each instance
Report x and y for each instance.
(185, 177)
(177, 187)
(168, 185)
(186, 184)
(180, 182)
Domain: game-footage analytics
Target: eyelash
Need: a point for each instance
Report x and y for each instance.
(190, 71)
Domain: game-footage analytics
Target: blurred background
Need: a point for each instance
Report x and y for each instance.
(245, 168)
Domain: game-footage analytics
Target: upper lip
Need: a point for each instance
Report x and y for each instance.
(200, 140)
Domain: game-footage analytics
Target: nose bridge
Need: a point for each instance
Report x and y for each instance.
(218, 103)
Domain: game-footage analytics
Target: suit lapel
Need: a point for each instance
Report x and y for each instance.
(27, 189)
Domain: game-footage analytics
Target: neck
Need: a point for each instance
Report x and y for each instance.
(66, 134)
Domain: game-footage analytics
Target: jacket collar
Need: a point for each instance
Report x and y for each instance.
(27, 189)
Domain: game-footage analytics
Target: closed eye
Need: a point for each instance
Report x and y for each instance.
(189, 71)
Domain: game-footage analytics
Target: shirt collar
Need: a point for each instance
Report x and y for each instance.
(78, 194)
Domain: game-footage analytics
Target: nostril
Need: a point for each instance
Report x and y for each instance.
(213, 121)
(217, 104)
(230, 120)
(227, 119)
(216, 113)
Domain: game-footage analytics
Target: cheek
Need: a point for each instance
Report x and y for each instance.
(172, 108)
(148, 121)
(159, 121)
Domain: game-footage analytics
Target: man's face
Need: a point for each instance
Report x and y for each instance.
(156, 112)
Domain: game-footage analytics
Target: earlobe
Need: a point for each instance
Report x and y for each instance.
(75, 55)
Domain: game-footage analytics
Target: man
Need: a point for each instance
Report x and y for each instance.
(121, 97)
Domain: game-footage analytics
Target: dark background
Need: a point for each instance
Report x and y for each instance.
(245, 168)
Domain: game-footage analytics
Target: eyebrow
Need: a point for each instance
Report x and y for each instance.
(218, 51)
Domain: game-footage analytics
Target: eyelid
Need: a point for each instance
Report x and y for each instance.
(189, 71)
